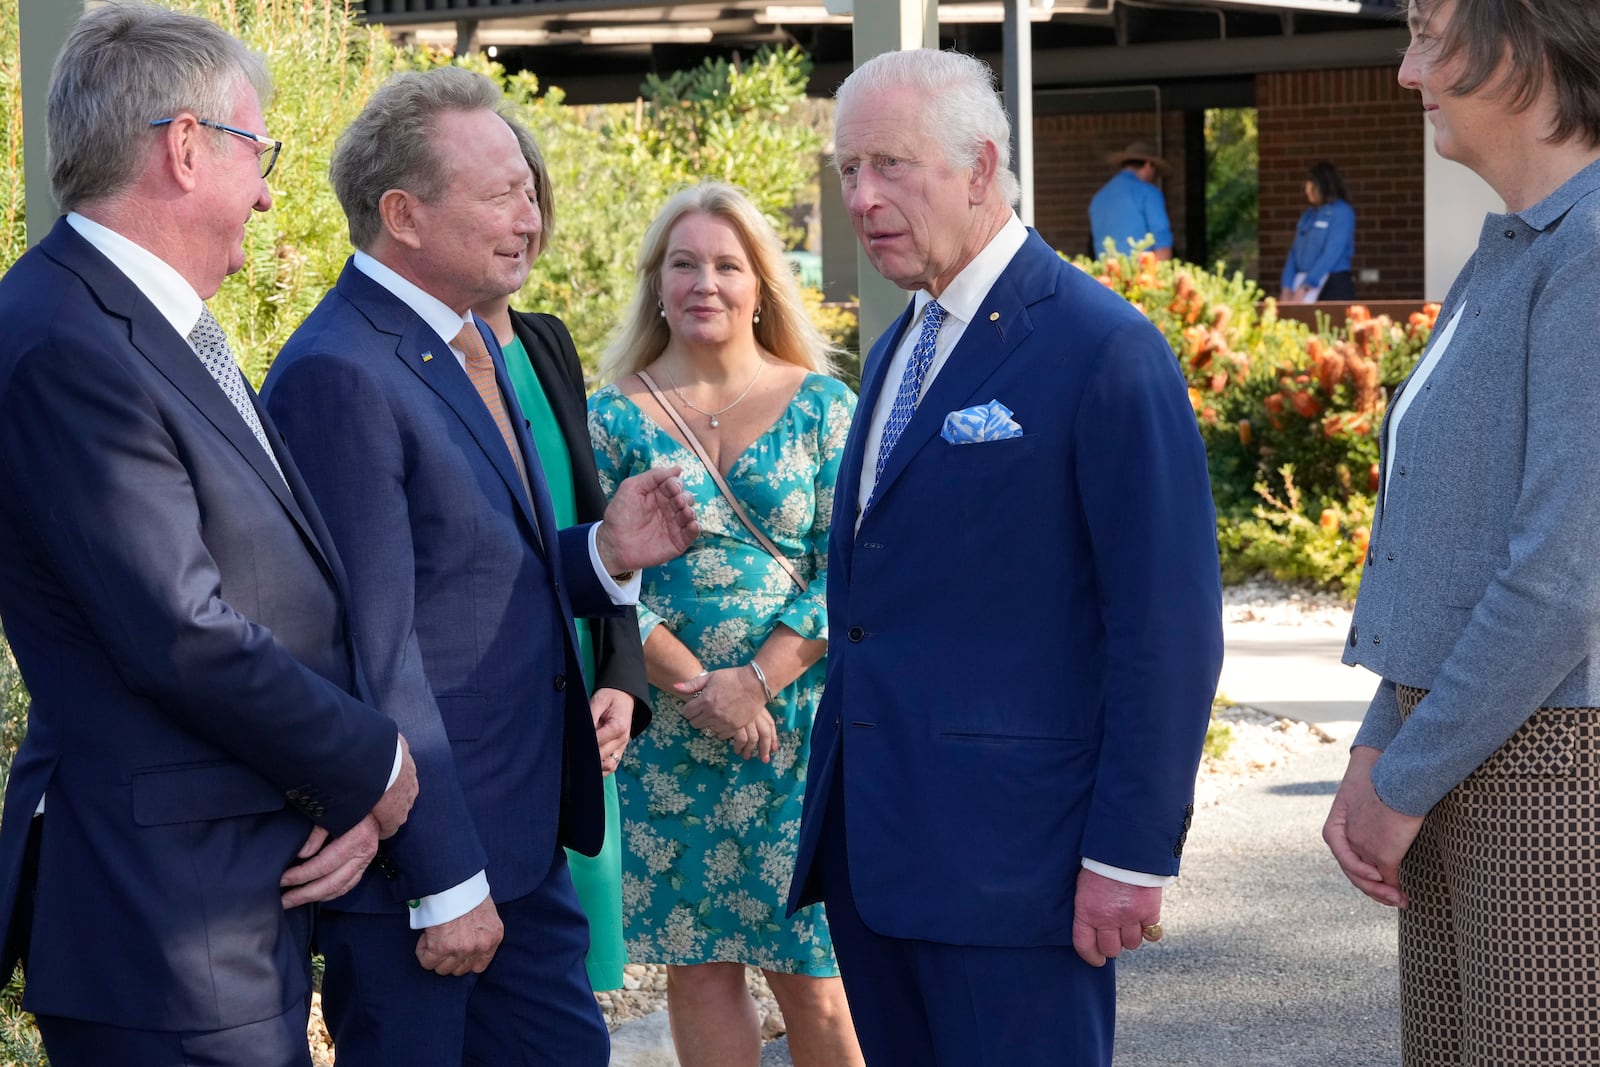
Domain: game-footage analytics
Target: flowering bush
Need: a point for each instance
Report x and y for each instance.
(1289, 414)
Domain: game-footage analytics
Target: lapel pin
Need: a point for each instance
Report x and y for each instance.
(427, 356)
(994, 316)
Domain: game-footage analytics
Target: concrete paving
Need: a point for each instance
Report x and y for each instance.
(1271, 958)
(1294, 671)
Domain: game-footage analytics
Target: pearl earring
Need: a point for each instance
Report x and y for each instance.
(663, 307)
(758, 314)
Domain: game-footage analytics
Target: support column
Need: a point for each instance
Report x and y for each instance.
(886, 26)
(1018, 44)
(43, 26)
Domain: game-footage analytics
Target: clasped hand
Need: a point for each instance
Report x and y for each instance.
(1366, 836)
(332, 868)
(729, 704)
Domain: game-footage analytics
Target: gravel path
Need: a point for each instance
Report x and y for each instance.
(1271, 958)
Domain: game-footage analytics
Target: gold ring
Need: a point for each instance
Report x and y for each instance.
(1153, 932)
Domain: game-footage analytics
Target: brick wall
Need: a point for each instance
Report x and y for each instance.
(1360, 120)
(1365, 124)
(1069, 166)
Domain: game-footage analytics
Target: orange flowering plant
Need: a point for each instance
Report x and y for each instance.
(1289, 414)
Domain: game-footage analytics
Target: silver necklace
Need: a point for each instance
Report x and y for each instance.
(761, 365)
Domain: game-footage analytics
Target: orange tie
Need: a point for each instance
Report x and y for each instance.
(480, 368)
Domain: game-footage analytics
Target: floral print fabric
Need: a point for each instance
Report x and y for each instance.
(708, 837)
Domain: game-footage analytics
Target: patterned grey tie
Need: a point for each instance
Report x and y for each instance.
(905, 400)
(211, 345)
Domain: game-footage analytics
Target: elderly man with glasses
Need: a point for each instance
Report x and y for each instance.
(197, 766)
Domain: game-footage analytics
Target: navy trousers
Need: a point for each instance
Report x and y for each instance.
(532, 1007)
(279, 1042)
(927, 1004)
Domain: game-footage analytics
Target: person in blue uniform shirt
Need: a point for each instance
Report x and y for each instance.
(1318, 267)
(1129, 208)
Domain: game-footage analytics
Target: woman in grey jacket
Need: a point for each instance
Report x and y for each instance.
(1472, 799)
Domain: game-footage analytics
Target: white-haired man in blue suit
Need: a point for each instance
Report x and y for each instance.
(1025, 608)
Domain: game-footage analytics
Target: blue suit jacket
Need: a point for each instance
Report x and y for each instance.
(460, 595)
(178, 617)
(1025, 634)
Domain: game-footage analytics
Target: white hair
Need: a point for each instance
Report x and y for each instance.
(960, 108)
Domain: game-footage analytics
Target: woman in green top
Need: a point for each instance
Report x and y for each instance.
(548, 379)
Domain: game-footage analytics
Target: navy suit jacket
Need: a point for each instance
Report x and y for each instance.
(1026, 634)
(461, 601)
(178, 617)
(618, 653)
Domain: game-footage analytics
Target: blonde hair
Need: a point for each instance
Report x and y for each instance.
(785, 329)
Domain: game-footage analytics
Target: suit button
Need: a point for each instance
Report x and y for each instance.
(1390, 557)
(1353, 636)
(856, 633)
(1377, 640)
(561, 683)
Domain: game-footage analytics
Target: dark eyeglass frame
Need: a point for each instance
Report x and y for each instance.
(269, 158)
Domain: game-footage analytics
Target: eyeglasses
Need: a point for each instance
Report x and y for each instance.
(268, 157)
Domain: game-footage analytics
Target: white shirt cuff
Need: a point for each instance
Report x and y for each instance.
(626, 594)
(1118, 874)
(399, 760)
(440, 908)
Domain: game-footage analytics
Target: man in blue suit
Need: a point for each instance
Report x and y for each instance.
(1024, 607)
(169, 590)
(467, 946)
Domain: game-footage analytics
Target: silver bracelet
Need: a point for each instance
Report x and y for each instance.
(761, 676)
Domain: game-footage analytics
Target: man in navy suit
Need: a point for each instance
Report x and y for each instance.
(1025, 609)
(169, 590)
(468, 945)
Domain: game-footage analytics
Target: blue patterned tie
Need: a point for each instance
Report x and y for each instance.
(905, 401)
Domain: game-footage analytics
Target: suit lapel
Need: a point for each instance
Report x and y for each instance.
(542, 507)
(848, 490)
(556, 366)
(1001, 325)
(546, 362)
(431, 359)
(155, 339)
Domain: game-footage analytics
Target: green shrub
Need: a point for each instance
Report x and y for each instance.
(19, 1041)
(1289, 415)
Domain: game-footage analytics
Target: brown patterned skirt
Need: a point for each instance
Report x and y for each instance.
(1500, 946)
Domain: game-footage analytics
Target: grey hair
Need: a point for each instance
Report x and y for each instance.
(124, 65)
(390, 144)
(785, 329)
(960, 107)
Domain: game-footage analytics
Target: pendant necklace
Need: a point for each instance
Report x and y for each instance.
(712, 415)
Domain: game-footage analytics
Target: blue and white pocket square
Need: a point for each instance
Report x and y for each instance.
(986, 422)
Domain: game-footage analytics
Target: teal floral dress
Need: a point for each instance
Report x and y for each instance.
(709, 838)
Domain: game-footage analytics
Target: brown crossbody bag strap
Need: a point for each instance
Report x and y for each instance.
(727, 494)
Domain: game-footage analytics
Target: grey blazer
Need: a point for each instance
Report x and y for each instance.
(1482, 579)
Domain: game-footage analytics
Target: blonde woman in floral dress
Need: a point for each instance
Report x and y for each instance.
(711, 793)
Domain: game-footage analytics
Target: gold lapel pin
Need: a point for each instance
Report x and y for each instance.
(426, 356)
(994, 316)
